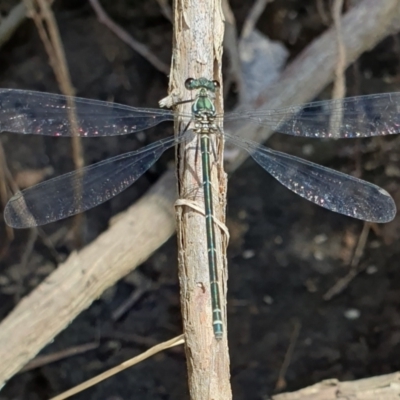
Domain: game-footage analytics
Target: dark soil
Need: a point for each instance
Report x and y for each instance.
(285, 253)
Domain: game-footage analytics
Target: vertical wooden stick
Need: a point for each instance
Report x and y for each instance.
(198, 36)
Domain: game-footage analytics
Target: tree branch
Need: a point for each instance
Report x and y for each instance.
(198, 38)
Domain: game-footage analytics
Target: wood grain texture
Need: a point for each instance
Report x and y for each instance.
(197, 52)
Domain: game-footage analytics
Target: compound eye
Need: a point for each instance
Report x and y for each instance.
(216, 84)
(188, 83)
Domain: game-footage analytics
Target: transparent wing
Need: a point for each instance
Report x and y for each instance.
(361, 116)
(23, 111)
(326, 187)
(81, 190)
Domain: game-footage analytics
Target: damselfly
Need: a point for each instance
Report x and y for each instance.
(29, 112)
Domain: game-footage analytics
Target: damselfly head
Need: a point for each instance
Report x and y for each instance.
(201, 83)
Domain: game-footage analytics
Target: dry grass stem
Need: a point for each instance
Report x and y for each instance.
(128, 39)
(40, 11)
(344, 282)
(281, 382)
(6, 181)
(126, 364)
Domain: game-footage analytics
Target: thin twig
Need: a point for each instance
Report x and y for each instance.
(48, 31)
(147, 341)
(165, 9)
(281, 382)
(231, 48)
(128, 39)
(130, 301)
(41, 361)
(339, 83)
(255, 13)
(47, 241)
(5, 181)
(126, 364)
(24, 262)
(322, 13)
(362, 241)
(344, 282)
(13, 188)
(11, 22)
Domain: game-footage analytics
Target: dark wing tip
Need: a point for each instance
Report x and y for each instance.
(386, 208)
(17, 214)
